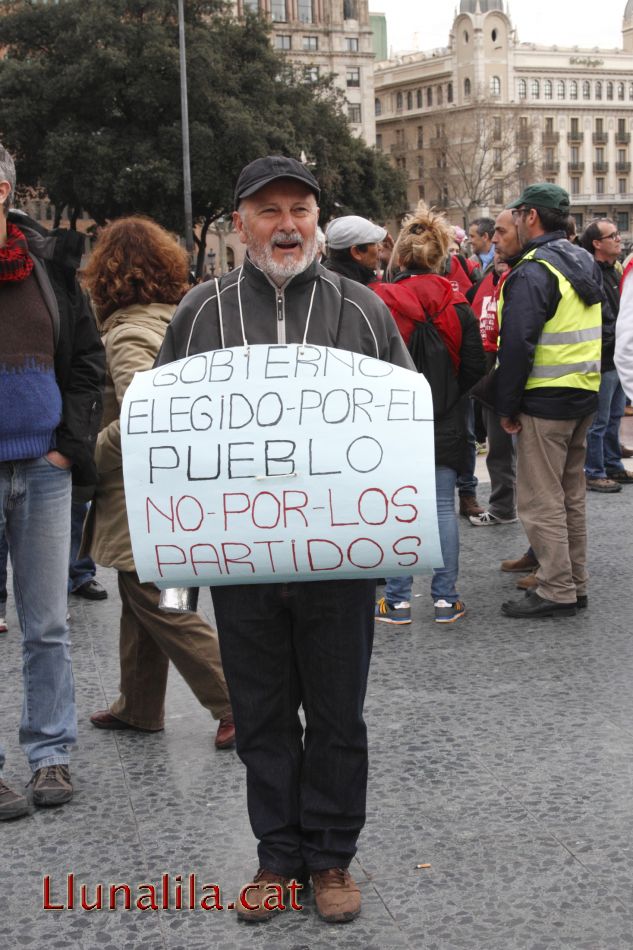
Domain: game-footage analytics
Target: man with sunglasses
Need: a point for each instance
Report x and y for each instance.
(547, 381)
(604, 470)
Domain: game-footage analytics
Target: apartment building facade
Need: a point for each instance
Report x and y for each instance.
(490, 107)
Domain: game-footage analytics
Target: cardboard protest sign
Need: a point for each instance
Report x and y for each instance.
(279, 463)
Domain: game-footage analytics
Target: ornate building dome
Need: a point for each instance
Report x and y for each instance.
(486, 6)
(628, 10)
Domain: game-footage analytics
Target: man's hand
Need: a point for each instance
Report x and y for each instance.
(509, 425)
(57, 459)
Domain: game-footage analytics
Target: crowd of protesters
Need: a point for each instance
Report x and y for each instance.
(523, 340)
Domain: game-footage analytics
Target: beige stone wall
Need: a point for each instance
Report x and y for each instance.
(561, 138)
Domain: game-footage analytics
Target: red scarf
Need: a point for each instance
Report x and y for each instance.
(15, 260)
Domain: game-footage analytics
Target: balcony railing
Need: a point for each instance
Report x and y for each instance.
(623, 168)
(600, 168)
(622, 138)
(551, 138)
(575, 136)
(551, 168)
(524, 137)
(576, 166)
(600, 138)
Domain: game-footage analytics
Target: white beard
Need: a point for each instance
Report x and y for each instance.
(281, 271)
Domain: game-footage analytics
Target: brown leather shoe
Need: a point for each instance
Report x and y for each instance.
(225, 736)
(626, 453)
(468, 505)
(336, 895)
(105, 720)
(527, 583)
(604, 485)
(527, 562)
(266, 895)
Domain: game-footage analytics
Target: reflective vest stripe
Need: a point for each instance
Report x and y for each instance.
(551, 372)
(567, 337)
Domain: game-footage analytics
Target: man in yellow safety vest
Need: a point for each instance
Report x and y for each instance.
(547, 381)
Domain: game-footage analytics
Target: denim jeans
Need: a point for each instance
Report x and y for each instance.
(4, 557)
(467, 481)
(603, 438)
(35, 514)
(80, 570)
(285, 646)
(444, 581)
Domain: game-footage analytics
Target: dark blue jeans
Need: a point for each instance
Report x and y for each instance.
(467, 481)
(4, 557)
(80, 570)
(603, 438)
(285, 646)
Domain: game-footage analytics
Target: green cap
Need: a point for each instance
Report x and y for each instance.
(543, 195)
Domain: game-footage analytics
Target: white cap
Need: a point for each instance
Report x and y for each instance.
(350, 230)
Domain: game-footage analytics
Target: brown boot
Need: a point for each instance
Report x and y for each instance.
(468, 505)
(527, 583)
(266, 895)
(225, 736)
(336, 895)
(527, 562)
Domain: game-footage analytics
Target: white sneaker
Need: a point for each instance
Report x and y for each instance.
(486, 518)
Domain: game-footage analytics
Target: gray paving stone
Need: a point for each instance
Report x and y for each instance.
(501, 753)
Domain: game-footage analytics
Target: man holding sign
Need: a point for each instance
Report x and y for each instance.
(286, 645)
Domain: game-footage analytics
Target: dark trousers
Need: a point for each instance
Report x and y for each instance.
(283, 646)
(501, 464)
(80, 569)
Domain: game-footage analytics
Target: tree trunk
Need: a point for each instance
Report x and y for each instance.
(59, 210)
(202, 246)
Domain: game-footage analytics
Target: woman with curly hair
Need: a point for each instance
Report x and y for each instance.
(443, 336)
(136, 276)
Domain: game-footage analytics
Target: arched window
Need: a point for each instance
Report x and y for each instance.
(586, 89)
(449, 92)
(522, 89)
(621, 91)
(377, 107)
(573, 89)
(598, 90)
(440, 95)
(467, 88)
(535, 89)
(560, 89)
(398, 102)
(429, 97)
(409, 100)
(548, 89)
(495, 86)
(418, 98)
(609, 90)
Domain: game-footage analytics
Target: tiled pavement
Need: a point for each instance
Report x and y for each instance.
(501, 755)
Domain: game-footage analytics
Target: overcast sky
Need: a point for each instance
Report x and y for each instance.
(562, 22)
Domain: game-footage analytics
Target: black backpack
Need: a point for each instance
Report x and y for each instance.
(432, 359)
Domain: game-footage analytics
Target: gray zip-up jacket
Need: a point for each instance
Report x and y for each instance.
(316, 306)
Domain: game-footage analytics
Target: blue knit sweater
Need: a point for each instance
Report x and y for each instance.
(30, 400)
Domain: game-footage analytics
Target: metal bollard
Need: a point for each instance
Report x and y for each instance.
(179, 600)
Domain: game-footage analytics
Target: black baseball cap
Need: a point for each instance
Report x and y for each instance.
(262, 171)
(543, 195)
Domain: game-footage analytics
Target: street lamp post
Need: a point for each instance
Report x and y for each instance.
(184, 115)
